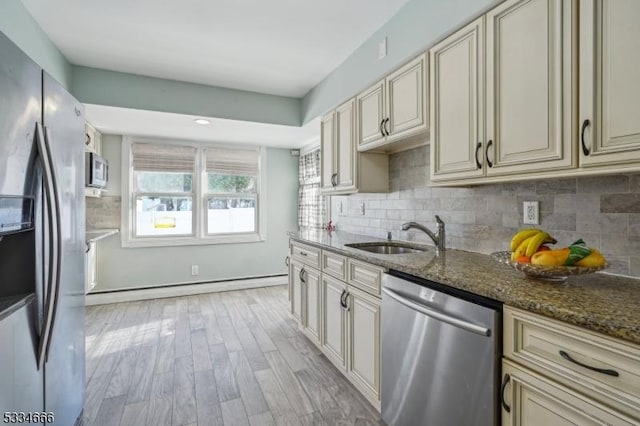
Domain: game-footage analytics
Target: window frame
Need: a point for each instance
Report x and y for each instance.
(200, 196)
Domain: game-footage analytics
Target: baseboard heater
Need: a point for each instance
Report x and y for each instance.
(186, 289)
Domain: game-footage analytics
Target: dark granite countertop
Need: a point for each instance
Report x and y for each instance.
(599, 302)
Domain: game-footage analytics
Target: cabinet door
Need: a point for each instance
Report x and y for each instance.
(457, 120)
(311, 284)
(609, 84)
(534, 400)
(407, 103)
(371, 113)
(297, 291)
(345, 146)
(334, 320)
(328, 155)
(364, 341)
(529, 86)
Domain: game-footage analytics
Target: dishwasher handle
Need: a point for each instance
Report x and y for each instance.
(465, 325)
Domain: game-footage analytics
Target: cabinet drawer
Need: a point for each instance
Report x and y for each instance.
(563, 352)
(306, 254)
(365, 277)
(334, 265)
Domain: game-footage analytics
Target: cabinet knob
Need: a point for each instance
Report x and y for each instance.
(585, 124)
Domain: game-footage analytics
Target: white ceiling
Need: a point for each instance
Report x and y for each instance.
(281, 47)
(112, 120)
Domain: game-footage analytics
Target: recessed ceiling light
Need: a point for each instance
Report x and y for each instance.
(202, 121)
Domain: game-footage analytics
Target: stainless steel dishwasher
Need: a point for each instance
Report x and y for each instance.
(440, 355)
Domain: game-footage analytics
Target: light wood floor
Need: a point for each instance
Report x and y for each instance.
(233, 358)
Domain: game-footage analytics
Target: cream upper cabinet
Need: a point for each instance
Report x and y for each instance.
(371, 115)
(93, 139)
(344, 169)
(338, 149)
(327, 147)
(503, 94)
(394, 109)
(457, 120)
(364, 341)
(529, 86)
(609, 82)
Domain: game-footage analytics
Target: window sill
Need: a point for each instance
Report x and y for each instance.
(191, 241)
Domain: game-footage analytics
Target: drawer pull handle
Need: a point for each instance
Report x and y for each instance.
(505, 382)
(302, 279)
(478, 163)
(608, 372)
(303, 253)
(486, 154)
(286, 260)
(342, 301)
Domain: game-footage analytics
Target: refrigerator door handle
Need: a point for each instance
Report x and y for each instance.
(57, 242)
(54, 244)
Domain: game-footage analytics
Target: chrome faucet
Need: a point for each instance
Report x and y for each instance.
(438, 240)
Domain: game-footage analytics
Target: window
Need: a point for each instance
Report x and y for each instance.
(184, 193)
(311, 205)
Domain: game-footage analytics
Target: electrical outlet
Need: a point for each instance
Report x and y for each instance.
(194, 270)
(531, 212)
(382, 48)
(362, 208)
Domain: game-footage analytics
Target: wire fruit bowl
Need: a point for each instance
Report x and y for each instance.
(549, 273)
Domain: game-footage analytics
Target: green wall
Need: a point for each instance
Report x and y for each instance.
(17, 24)
(122, 268)
(417, 26)
(103, 87)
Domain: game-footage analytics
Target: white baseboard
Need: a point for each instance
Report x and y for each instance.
(182, 290)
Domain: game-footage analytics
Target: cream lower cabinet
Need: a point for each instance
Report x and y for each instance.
(558, 374)
(364, 341)
(296, 290)
(609, 84)
(339, 310)
(304, 287)
(534, 400)
(334, 320)
(91, 266)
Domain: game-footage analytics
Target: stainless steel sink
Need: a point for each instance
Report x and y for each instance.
(387, 248)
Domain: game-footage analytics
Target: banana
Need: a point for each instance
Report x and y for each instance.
(522, 235)
(537, 240)
(521, 250)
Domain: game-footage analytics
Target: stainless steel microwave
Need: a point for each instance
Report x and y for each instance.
(96, 170)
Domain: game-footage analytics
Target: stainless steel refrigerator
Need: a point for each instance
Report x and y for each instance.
(42, 233)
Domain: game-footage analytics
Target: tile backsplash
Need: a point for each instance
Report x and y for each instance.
(103, 212)
(602, 210)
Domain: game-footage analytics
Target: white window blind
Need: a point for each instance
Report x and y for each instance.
(163, 158)
(243, 162)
